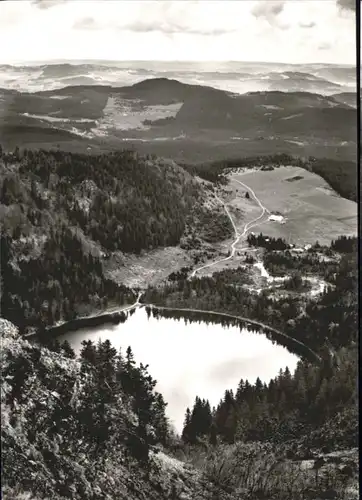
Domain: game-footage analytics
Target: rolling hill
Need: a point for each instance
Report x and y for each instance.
(173, 119)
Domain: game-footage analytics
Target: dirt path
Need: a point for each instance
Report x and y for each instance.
(118, 309)
(228, 214)
(238, 235)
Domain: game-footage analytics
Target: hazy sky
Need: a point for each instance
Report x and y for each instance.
(292, 31)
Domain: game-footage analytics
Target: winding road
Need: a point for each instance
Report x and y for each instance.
(238, 235)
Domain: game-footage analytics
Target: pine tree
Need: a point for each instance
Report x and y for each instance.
(159, 419)
(67, 349)
(230, 425)
(206, 418)
(197, 417)
(300, 392)
(88, 355)
(213, 435)
(144, 398)
(240, 392)
(187, 432)
(106, 363)
(128, 381)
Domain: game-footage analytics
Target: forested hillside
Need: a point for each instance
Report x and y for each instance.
(62, 281)
(96, 428)
(121, 200)
(62, 214)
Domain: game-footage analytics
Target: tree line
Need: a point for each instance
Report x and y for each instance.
(345, 244)
(267, 242)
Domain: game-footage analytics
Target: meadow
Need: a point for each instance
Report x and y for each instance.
(313, 211)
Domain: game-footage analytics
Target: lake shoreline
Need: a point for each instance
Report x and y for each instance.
(121, 316)
(188, 357)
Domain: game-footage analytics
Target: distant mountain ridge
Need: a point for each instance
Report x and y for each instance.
(236, 76)
(161, 112)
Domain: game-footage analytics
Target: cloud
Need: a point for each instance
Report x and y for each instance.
(207, 30)
(170, 28)
(324, 46)
(48, 4)
(270, 11)
(228, 370)
(347, 4)
(86, 23)
(162, 17)
(178, 18)
(311, 24)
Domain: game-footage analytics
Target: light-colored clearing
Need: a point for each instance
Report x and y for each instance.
(124, 114)
(312, 213)
(146, 269)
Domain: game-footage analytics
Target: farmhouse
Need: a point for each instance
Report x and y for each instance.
(277, 218)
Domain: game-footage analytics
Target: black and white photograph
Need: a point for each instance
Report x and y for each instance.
(179, 249)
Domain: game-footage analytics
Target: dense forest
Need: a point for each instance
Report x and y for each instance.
(267, 242)
(120, 200)
(318, 260)
(92, 426)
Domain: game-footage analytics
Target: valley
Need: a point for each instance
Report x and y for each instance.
(219, 246)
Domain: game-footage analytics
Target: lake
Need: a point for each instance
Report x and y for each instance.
(193, 359)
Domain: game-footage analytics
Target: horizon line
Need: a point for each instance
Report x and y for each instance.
(75, 61)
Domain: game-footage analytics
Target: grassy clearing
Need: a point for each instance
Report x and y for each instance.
(147, 269)
(314, 212)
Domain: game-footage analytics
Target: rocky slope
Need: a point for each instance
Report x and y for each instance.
(47, 455)
(44, 454)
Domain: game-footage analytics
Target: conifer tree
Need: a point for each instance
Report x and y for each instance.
(67, 349)
(187, 435)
